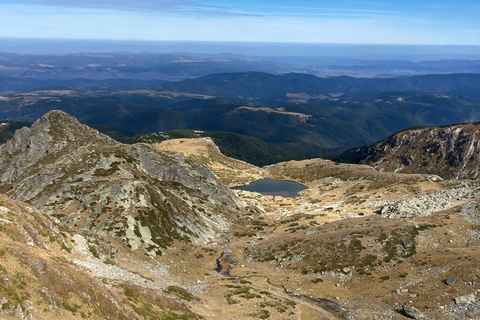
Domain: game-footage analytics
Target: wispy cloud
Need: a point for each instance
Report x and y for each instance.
(319, 9)
(154, 6)
(375, 3)
(340, 15)
(130, 5)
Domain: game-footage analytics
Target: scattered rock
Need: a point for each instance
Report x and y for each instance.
(407, 243)
(426, 204)
(451, 280)
(401, 291)
(470, 213)
(37, 265)
(315, 230)
(434, 178)
(452, 233)
(412, 312)
(469, 298)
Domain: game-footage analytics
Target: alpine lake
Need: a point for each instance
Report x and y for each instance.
(282, 188)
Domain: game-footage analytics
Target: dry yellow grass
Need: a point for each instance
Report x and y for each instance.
(230, 171)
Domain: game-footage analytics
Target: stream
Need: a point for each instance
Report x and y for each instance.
(325, 304)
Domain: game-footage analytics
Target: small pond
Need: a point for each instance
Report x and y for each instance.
(287, 189)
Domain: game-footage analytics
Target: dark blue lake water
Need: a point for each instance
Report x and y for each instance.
(287, 189)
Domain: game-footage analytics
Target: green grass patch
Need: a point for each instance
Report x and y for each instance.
(71, 308)
(181, 293)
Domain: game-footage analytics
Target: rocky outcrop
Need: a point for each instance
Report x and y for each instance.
(143, 195)
(231, 172)
(451, 152)
(470, 212)
(426, 204)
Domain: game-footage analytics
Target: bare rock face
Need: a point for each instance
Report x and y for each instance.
(145, 196)
(52, 136)
(450, 152)
(450, 281)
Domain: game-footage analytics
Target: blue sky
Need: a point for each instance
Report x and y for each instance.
(304, 21)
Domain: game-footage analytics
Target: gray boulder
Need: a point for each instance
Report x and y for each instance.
(451, 280)
(413, 312)
(469, 298)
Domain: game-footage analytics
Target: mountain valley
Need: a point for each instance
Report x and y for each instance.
(92, 228)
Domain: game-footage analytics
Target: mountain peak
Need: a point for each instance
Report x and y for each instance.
(59, 114)
(61, 125)
(54, 135)
(143, 195)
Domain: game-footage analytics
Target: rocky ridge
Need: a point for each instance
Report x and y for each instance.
(143, 195)
(450, 152)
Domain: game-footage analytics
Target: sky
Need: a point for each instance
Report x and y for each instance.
(427, 22)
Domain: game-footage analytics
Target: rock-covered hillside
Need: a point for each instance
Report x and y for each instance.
(145, 196)
(450, 151)
(43, 274)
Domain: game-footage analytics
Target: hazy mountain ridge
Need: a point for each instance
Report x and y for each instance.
(34, 71)
(21, 72)
(254, 85)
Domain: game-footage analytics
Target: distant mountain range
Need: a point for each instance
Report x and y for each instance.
(257, 85)
(29, 71)
(298, 114)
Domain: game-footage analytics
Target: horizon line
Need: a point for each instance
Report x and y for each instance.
(245, 42)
